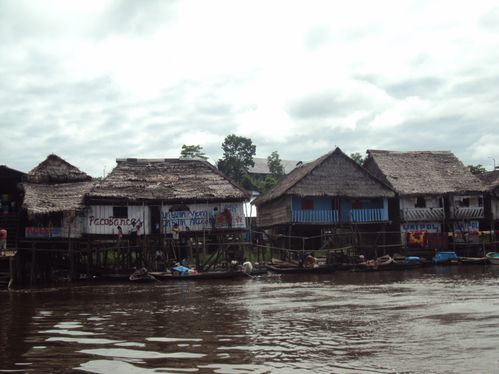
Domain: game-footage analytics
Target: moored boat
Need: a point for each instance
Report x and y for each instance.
(194, 275)
(474, 260)
(302, 269)
(493, 257)
(445, 258)
(142, 276)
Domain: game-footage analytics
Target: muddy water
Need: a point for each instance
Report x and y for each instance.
(436, 320)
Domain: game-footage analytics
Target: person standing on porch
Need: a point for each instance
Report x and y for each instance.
(3, 240)
(213, 217)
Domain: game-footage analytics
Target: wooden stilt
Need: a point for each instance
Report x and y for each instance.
(33, 259)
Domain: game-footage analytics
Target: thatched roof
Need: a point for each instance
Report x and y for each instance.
(56, 170)
(262, 167)
(422, 172)
(5, 171)
(53, 198)
(490, 180)
(334, 174)
(169, 180)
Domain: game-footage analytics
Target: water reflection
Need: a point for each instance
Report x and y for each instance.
(433, 320)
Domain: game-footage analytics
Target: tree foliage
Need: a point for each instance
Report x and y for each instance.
(357, 157)
(192, 152)
(275, 165)
(477, 169)
(237, 157)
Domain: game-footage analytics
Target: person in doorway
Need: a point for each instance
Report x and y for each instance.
(228, 217)
(176, 232)
(3, 241)
(133, 232)
(213, 217)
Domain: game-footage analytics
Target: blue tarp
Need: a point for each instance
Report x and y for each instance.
(445, 256)
(412, 260)
(183, 270)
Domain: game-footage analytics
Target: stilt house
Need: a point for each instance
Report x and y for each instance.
(491, 201)
(54, 194)
(436, 194)
(330, 192)
(10, 202)
(156, 195)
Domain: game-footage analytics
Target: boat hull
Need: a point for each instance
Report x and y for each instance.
(167, 276)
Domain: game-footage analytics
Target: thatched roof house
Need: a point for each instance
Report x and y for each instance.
(334, 174)
(56, 170)
(490, 181)
(55, 186)
(166, 180)
(422, 172)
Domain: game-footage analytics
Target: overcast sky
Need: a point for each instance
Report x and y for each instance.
(95, 80)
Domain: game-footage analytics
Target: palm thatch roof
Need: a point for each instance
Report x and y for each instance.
(334, 174)
(42, 198)
(422, 172)
(490, 180)
(169, 180)
(56, 170)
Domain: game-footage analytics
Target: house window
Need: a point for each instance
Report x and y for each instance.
(120, 211)
(480, 201)
(420, 202)
(465, 202)
(307, 204)
(357, 204)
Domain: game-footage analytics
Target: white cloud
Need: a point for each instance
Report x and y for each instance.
(95, 80)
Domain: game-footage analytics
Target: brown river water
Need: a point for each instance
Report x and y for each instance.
(434, 320)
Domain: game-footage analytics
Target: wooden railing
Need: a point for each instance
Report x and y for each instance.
(423, 214)
(331, 216)
(368, 215)
(315, 216)
(468, 212)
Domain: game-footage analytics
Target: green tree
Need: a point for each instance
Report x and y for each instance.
(269, 182)
(357, 157)
(275, 165)
(237, 157)
(477, 169)
(192, 152)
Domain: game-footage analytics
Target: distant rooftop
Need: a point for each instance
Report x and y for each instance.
(261, 166)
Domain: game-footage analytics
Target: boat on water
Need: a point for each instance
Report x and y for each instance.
(388, 263)
(474, 260)
(142, 276)
(297, 269)
(186, 273)
(493, 257)
(445, 258)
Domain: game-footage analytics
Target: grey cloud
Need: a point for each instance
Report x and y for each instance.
(135, 17)
(490, 20)
(323, 104)
(422, 87)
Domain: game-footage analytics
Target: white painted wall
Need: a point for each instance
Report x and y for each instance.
(408, 202)
(198, 217)
(99, 220)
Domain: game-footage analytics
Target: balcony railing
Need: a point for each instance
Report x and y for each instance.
(331, 216)
(315, 216)
(368, 215)
(468, 212)
(423, 214)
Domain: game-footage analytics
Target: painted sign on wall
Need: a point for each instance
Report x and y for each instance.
(421, 227)
(467, 232)
(100, 220)
(203, 217)
(43, 232)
